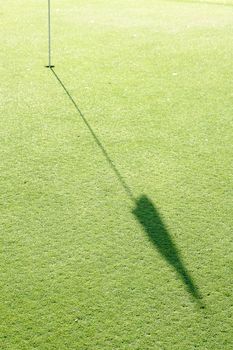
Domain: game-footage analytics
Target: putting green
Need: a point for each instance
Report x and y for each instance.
(116, 175)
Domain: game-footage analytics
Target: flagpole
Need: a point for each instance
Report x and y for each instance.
(49, 36)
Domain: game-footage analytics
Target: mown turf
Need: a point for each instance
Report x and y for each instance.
(116, 175)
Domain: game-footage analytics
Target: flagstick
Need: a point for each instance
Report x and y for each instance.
(49, 36)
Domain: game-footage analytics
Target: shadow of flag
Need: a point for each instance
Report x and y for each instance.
(149, 217)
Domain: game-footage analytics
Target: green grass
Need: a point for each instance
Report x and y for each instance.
(116, 175)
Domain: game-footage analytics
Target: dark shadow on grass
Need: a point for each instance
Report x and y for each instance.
(146, 213)
(149, 217)
(101, 147)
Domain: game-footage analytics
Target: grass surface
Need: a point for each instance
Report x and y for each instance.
(116, 175)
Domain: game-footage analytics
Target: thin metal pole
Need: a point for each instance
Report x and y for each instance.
(49, 36)
(49, 29)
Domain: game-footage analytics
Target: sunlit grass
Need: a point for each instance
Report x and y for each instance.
(116, 175)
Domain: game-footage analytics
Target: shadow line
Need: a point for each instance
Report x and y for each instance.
(105, 153)
(146, 214)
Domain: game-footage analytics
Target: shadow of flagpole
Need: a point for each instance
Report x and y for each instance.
(101, 147)
(146, 214)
